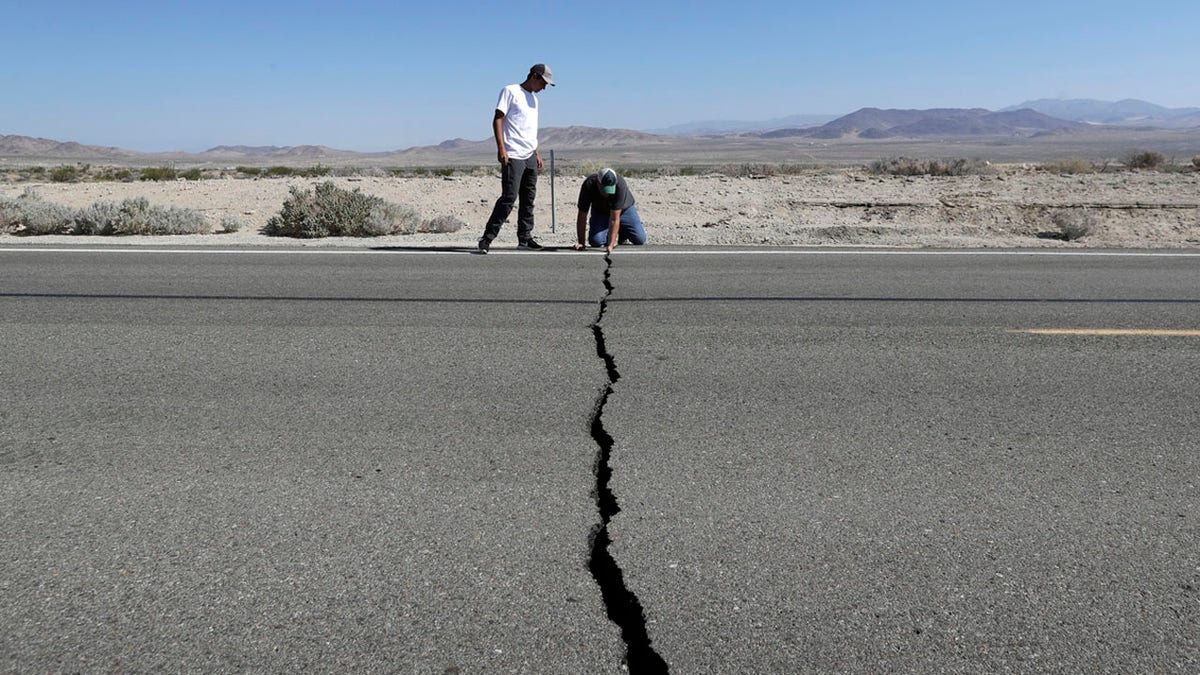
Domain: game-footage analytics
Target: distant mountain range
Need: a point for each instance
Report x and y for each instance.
(723, 127)
(25, 146)
(287, 152)
(1128, 112)
(874, 123)
(1029, 119)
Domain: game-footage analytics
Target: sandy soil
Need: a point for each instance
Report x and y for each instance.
(1009, 208)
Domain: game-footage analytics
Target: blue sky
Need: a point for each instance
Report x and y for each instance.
(181, 75)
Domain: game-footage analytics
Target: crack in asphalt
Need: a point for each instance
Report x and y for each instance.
(622, 605)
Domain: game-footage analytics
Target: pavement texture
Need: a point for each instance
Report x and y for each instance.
(851, 465)
(395, 462)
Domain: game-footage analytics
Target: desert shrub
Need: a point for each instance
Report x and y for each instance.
(590, 167)
(1074, 224)
(40, 217)
(114, 174)
(1196, 163)
(348, 171)
(1144, 159)
(747, 170)
(175, 220)
(100, 218)
(10, 214)
(1070, 166)
(30, 215)
(65, 174)
(158, 173)
(137, 216)
(192, 174)
(329, 211)
(636, 171)
(230, 223)
(444, 224)
(317, 171)
(908, 166)
(249, 170)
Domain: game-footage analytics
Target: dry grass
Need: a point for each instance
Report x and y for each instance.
(908, 166)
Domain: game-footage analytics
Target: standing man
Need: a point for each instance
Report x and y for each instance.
(515, 126)
(614, 217)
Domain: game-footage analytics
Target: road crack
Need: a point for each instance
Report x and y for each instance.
(622, 605)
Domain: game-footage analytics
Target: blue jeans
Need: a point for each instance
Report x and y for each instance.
(630, 228)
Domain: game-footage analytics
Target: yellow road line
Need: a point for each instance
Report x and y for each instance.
(1107, 331)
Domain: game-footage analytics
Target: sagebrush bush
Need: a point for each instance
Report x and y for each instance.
(10, 215)
(1074, 224)
(1070, 166)
(317, 171)
(443, 224)
(230, 223)
(100, 218)
(908, 166)
(138, 216)
(1145, 159)
(65, 174)
(114, 174)
(30, 215)
(329, 211)
(158, 173)
(756, 170)
(175, 220)
(590, 167)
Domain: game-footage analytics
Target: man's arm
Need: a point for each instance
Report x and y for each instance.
(581, 230)
(614, 228)
(498, 132)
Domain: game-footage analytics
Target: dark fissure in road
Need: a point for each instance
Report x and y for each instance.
(622, 605)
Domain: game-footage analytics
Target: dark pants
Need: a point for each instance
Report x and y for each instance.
(518, 181)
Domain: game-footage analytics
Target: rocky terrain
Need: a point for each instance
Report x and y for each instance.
(1006, 207)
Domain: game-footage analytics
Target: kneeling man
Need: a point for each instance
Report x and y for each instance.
(608, 198)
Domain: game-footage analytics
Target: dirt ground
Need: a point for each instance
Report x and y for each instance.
(1010, 207)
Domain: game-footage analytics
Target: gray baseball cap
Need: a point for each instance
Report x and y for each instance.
(543, 71)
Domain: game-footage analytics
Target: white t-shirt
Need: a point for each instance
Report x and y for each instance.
(518, 129)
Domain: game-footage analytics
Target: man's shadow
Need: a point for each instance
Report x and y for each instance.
(470, 249)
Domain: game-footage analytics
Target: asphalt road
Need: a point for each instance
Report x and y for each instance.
(388, 461)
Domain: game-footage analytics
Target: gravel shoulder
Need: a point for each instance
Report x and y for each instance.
(1012, 207)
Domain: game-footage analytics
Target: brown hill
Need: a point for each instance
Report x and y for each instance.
(291, 151)
(874, 123)
(26, 146)
(598, 137)
(589, 145)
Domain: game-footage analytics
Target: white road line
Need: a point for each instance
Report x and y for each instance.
(465, 250)
(1155, 332)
